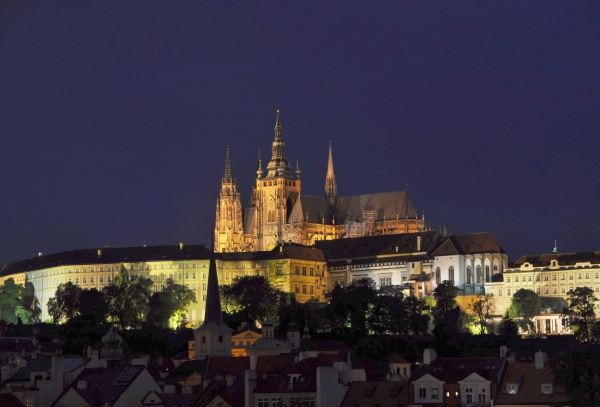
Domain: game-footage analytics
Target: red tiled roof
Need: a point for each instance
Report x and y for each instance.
(101, 387)
(451, 370)
(227, 366)
(233, 395)
(383, 394)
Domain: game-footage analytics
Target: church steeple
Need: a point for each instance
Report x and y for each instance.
(278, 166)
(213, 338)
(330, 185)
(227, 176)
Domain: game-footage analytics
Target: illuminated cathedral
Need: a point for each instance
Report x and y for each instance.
(280, 213)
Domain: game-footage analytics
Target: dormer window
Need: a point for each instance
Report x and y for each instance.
(511, 388)
(435, 393)
(547, 388)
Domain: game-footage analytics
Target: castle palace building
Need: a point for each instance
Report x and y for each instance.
(279, 213)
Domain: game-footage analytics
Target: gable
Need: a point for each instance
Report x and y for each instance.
(427, 378)
(218, 402)
(473, 378)
(152, 399)
(71, 399)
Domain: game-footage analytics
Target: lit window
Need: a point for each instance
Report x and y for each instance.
(500, 292)
(303, 288)
(546, 290)
(508, 292)
(516, 279)
(203, 286)
(481, 394)
(92, 280)
(553, 277)
(508, 279)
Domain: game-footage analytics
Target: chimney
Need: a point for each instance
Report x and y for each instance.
(418, 243)
(541, 358)
(429, 355)
(57, 370)
(181, 246)
(99, 253)
(230, 379)
(503, 351)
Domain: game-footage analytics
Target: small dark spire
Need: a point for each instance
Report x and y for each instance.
(213, 298)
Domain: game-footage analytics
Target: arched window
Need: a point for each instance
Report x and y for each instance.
(451, 273)
(479, 276)
(495, 268)
(438, 276)
(487, 274)
(469, 272)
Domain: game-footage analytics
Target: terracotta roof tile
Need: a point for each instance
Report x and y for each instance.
(383, 394)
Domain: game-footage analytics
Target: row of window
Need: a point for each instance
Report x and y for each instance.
(294, 402)
(554, 277)
(538, 290)
(434, 393)
(297, 289)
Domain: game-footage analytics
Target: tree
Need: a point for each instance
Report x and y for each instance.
(65, 303)
(93, 305)
(577, 371)
(388, 313)
(507, 326)
(128, 299)
(254, 297)
(445, 299)
(580, 314)
(417, 316)
(482, 306)
(17, 302)
(524, 306)
(168, 307)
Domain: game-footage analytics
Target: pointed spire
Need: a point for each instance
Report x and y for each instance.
(227, 176)
(298, 172)
(330, 184)
(555, 247)
(278, 166)
(278, 127)
(213, 298)
(259, 171)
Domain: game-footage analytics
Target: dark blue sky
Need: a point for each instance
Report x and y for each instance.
(115, 116)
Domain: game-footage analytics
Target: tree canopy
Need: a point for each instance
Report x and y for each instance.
(65, 303)
(524, 306)
(254, 297)
(17, 302)
(483, 307)
(168, 306)
(128, 299)
(445, 299)
(580, 315)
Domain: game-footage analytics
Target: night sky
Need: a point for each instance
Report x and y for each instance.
(115, 115)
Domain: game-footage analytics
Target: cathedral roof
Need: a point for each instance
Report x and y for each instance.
(563, 259)
(386, 205)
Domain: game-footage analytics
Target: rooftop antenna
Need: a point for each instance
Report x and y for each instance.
(555, 247)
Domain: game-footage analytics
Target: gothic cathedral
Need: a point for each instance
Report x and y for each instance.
(279, 213)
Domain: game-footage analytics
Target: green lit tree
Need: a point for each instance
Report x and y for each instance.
(168, 307)
(580, 314)
(254, 297)
(17, 302)
(128, 299)
(507, 326)
(417, 315)
(524, 306)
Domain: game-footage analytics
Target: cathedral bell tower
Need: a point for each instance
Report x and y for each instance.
(275, 194)
(228, 221)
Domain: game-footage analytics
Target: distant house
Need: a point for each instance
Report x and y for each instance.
(456, 381)
(124, 386)
(530, 384)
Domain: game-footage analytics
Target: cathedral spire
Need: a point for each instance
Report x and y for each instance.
(227, 176)
(278, 166)
(330, 185)
(259, 171)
